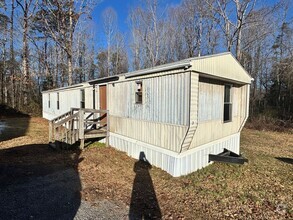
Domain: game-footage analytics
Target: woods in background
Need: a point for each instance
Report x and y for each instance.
(50, 43)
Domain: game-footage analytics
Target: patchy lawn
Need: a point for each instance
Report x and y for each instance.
(261, 189)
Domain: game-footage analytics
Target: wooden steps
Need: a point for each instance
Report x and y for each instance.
(79, 125)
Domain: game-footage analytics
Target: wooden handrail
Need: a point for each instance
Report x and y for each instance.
(61, 116)
(66, 120)
(72, 125)
(88, 110)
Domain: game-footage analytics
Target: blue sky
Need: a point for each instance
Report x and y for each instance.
(122, 7)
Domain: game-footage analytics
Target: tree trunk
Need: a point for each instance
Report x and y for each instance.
(57, 71)
(69, 63)
(2, 86)
(25, 54)
(4, 77)
(199, 39)
(12, 72)
(4, 69)
(108, 56)
(69, 46)
(238, 44)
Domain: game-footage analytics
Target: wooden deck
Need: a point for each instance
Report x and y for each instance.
(79, 125)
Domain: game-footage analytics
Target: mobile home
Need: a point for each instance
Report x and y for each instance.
(177, 114)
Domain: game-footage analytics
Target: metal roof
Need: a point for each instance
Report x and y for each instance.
(65, 88)
(91, 82)
(172, 66)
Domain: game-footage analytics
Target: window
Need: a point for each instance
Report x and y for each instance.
(227, 104)
(138, 93)
(58, 100)
(82, 98)
(49, 103)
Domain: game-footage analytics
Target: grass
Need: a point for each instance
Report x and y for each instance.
(261, 189)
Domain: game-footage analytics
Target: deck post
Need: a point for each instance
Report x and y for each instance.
(81, 128)
(66, 132)
(81, 146)
(108, 129)
(81, 124)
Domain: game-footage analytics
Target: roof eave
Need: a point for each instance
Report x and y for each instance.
(103, 80)
(64, 88)
(222, 78)
(183, 65)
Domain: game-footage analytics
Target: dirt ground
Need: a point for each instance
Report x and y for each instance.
(103, 178)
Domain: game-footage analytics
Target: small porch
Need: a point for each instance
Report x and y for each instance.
(79, 124)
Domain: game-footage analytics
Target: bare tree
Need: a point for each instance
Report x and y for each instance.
(3, 64)
(119, 57)
(58, 20)
(136, 44)
(191, 16)
(226, 12)
(148, 31)
(102, 63)
(110, 29)
(28, 8)
(12, 56)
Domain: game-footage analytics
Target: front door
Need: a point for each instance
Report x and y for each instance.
(103, 102)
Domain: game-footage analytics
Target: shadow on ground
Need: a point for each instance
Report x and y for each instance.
(10, 129)
(144, 203)
(39, 183)
(285, 159)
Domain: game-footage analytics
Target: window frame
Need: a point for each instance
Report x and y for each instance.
(228, 103)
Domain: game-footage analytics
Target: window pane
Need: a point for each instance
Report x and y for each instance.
(82, 95)
(58, 100)
(138, 97)
(227, 93)
(49, 100)
(227, 112)
(82, 98)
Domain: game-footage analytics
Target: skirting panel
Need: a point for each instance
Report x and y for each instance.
(174, 163)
